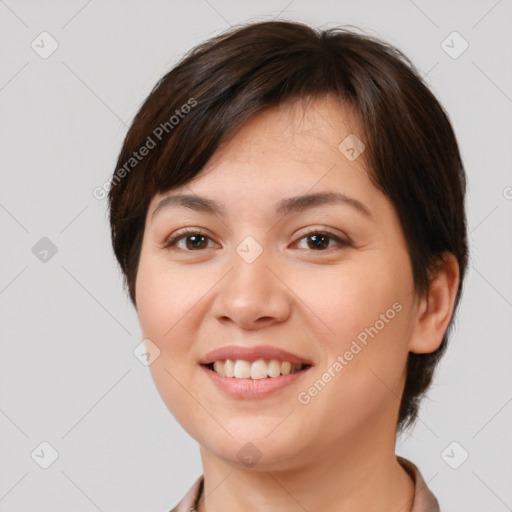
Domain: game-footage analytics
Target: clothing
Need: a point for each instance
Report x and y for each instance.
(424, 500)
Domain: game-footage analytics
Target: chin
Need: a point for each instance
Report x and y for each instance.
(255, 449)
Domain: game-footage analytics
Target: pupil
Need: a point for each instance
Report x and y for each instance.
(316, 238)
(198, 239)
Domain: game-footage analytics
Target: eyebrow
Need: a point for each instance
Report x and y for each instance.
(283, 207)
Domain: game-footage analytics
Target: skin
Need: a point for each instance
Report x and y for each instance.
(335, 453)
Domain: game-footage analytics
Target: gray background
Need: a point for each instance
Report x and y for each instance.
(68, 375)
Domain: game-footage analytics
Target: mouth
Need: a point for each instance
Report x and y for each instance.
(253, 372)
(256, 370)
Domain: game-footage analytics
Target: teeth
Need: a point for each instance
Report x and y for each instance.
(219, 367)
(260, 369)
(286, 367)
(274, 368)
(242, 369)
(229, 367)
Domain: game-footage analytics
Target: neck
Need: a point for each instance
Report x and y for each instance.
(350, 476)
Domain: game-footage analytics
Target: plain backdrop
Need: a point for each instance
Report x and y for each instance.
(68, 375)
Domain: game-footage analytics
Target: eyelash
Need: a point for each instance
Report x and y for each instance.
(183, 234)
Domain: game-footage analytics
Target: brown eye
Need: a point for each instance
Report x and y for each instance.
(319, 240)
(194, 240)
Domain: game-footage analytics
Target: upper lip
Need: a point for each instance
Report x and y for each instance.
(251, 354)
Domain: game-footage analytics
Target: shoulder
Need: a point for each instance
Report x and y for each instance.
(424, 499)
(189, 502)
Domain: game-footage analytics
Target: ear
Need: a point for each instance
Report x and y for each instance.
(434, 310)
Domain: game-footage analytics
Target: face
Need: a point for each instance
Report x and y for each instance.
(263, 279)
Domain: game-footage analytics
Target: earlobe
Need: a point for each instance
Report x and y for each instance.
(435, 309)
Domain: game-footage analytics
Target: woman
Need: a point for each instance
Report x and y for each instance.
(288, 213)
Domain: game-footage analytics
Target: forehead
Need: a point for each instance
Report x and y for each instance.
(287, 150)
(298, 130)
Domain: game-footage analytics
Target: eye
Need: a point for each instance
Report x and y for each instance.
(197, 240)
(319, 240)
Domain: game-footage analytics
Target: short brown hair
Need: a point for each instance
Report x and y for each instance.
(411, 150)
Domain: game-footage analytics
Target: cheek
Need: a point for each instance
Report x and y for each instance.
(164, 297)
(365, 315)
(163, 303)
(346, 301)
(154, 306)
(364, 353)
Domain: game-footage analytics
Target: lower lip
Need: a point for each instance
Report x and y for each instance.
(252, 388)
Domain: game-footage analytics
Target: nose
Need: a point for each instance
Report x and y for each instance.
(252, 295)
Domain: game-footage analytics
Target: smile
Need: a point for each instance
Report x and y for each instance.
(259, 369)
(242, 371)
